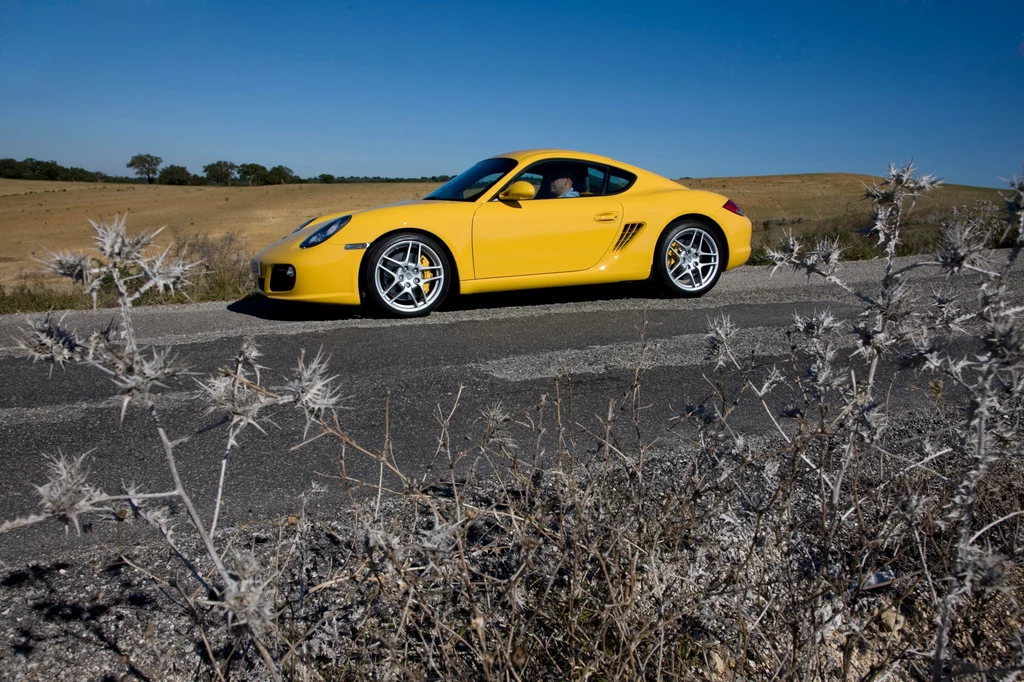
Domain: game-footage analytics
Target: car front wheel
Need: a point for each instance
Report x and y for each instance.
(407, 275)
(689, 258)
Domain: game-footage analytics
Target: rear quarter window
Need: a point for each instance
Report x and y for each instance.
(619, 180)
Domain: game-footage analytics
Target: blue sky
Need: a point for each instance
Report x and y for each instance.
(429, 87)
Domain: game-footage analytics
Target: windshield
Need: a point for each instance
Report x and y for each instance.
(469, 185)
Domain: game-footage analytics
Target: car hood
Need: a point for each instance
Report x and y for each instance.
(377, 211)
(387, 207)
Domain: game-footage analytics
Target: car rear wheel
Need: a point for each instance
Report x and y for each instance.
(689, 258)
(407, 275)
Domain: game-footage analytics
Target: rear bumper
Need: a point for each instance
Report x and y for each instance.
(737, 231)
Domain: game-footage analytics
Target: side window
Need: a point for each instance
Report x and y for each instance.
(593, 183)
(619, 180)
(548, 178)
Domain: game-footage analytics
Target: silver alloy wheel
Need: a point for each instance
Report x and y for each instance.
(409, 276)
(692, 258)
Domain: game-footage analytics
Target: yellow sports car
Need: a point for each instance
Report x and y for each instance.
(529, 219)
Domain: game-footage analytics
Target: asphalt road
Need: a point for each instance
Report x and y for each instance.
(510, 348)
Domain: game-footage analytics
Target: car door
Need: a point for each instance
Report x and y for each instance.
(543, 236)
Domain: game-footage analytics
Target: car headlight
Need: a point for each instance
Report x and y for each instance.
(326, 232)
(302, 226)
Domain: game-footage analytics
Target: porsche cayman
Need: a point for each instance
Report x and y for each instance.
(523, 220)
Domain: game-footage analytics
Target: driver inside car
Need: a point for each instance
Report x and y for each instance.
(561, 185)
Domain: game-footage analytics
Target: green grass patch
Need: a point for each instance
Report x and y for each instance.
(28, 296)
(921, 234)
(225, 276)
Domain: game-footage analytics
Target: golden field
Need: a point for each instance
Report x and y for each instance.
(818, 197)
(37, 216)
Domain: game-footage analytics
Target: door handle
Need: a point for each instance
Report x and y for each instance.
(609, 217)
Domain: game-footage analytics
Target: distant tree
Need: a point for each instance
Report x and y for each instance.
(326, 178)
(11, 169)
(279, 175)
(220, 172)
(34, 169)
(174, 175)
(145, 165)
(253, 174)
(198, 180)
(76, 174)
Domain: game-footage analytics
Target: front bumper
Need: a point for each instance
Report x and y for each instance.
(322, 274)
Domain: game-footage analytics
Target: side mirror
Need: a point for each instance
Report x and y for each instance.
(518, 191)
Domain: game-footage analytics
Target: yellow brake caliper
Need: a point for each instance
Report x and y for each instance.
(427, 274)
(673, 248)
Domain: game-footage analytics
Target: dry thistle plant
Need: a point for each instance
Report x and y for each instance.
(239, 587)
(936, 519)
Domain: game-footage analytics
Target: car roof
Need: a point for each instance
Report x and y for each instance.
(537, 154)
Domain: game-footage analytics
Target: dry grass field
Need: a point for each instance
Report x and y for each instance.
(818, 197)
(38, 216)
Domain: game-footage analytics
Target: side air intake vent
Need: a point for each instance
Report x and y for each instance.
(629, 230)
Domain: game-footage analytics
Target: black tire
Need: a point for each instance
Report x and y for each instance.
(407, 275)
(689, 258)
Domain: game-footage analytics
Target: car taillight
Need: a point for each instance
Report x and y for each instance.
(730, 205)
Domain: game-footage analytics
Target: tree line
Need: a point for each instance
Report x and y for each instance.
(149, 168)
